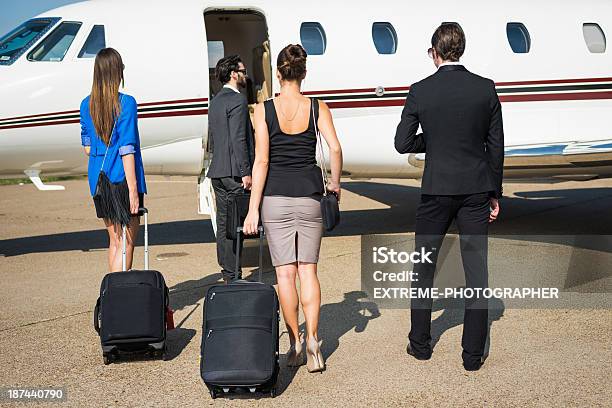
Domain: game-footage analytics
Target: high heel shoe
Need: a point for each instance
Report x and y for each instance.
(295, 355)
(314, 358)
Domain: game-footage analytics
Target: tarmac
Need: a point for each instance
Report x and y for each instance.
(53, 257)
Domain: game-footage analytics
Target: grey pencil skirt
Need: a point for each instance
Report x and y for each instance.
(294, 228)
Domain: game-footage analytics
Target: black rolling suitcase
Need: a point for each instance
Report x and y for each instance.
(240, 335)
(130, 314)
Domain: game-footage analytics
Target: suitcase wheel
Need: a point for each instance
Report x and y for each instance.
(109, 358)
(213, 394)
(155, 354)
(164, 354)
(161, 354)
(273, 392)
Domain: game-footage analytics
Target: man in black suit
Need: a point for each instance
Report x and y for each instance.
(462, 136)
(231, 136)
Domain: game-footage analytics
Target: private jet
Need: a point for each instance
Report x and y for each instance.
(549, 59)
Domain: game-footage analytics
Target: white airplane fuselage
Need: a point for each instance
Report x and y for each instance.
(557, 98)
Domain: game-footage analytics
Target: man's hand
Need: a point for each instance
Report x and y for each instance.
(247, 182)
(494, 209)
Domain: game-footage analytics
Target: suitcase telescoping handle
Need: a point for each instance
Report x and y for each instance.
(145, 212)
(238, 238)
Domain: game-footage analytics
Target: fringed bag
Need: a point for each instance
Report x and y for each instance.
(112, 200)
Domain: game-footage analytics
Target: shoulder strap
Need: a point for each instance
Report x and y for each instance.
(315, 110)
(270, 114)
(315, 118)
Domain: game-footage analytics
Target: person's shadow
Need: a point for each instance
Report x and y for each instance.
(452, 316)
(179, 338)
(339, 318)
(336, 319)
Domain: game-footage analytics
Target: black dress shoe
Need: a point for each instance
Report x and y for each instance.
(474, 366)
(417, 356)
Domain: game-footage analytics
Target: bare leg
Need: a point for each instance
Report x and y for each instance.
(288, 297)
(311, 305)
(115, 250)
(114, 247)
(310, 297)
(131, 235)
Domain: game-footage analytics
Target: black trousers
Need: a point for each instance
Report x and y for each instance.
(226, 248)
(435, 214)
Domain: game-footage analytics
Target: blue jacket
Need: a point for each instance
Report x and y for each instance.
(125, 140)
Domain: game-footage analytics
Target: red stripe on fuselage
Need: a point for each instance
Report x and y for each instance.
(371, 103)
(366, 104)
(140, 116)
(176, 101)
(36, 124)
(570, 96)
(555, 81)
(175, 113)
(42, 114)
(76, 111)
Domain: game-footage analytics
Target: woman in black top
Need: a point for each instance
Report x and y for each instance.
(288, 184)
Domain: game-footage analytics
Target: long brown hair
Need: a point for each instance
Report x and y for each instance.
(104, 104)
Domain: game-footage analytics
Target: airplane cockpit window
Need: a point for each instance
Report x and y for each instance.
(95, 42)
(312, 37)
(385, 38)
(594, 37)
(55, 45)
(518, 38)
(18, 41)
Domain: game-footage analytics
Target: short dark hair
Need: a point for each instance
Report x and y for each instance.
(291, 62)
(449, 41)
(225, 67)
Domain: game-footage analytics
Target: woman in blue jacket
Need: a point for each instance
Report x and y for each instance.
(109, 134)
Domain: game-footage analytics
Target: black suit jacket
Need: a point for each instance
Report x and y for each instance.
(463, 136)
(231, 135)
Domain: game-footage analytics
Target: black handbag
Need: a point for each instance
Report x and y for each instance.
(112, 200)
(330, 210)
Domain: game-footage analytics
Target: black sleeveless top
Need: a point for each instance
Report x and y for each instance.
(293, 170)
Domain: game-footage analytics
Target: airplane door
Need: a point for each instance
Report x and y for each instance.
(228, 32)
(206, 194)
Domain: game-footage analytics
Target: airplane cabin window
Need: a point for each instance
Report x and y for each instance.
(594, 37)
(518, 38)
(313, 38)
(385, 38)
(96, 40)
(18, 41)
(55, 45)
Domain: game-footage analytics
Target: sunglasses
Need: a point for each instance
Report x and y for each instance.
(243, 71)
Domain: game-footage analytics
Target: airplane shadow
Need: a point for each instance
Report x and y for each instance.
(566, 212)
(165, 233)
